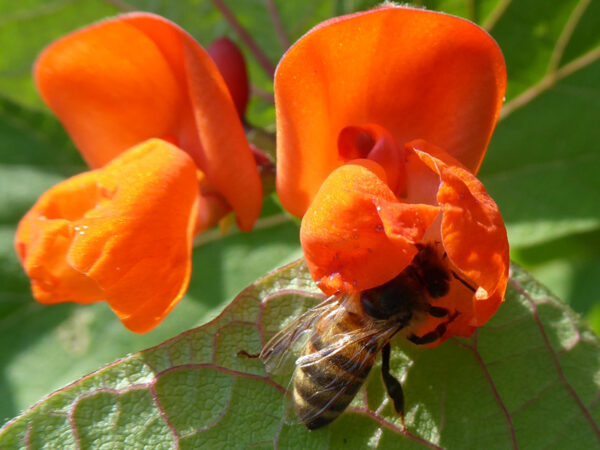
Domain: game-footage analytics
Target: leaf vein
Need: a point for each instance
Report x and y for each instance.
(563, 379)
(548, 81)
(490, 380)
(536, 397)
(391, 426)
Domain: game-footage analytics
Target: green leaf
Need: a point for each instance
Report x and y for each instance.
(542, 163)
(571, 266)
(531, 373)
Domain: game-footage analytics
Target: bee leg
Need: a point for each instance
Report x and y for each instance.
(429, 337)
(437, 311)
(425, 339)
(392, 385)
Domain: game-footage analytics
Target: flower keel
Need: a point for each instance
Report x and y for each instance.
(116, 234)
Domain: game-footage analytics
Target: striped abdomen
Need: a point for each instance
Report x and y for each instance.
(323, 390)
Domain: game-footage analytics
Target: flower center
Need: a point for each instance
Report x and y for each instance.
(377, 144)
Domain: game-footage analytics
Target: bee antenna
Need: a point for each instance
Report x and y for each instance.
(467, 285)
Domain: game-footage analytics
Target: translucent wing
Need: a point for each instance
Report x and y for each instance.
(353, 367)
(336, 362)
(335, 339)
(337, 343)
(280, 345)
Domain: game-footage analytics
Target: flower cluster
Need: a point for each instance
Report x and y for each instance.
(152, 114)
(383, 119)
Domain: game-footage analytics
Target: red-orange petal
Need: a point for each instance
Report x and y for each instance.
(356, 234)
(417, 73)
(473, 232)
(111, 87)
(163, 84)
(122, 234)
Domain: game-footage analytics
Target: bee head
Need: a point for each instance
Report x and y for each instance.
(437, 282)
(394, 298)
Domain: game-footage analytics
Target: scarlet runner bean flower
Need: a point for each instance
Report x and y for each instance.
(383, 117)
(149, 110)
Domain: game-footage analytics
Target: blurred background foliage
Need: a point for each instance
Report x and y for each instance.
(542, 168)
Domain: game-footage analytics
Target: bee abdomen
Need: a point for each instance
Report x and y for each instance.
(317, 404)
(323, 390)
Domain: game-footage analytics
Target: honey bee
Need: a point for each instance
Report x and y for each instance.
(347, 331)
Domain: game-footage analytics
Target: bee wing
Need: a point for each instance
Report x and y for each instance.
(371, 342)
(337, 343)
(283, 343)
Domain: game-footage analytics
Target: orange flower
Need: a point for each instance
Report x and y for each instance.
(382, 119)
(123, 233)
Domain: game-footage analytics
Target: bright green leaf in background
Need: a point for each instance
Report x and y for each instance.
(542, 168)
(518, 382)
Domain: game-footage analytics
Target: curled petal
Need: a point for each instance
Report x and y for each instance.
(211, 206)
(138, 76)
(416, 73)
(357, 234)
(121, 233)
(473, 233)
(375, 143)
